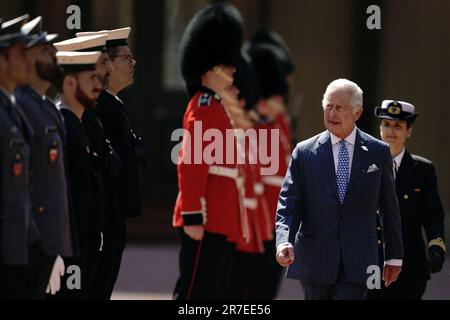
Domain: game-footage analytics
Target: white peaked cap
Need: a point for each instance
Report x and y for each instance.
(77, 58)
(92, 43)
(116, 34)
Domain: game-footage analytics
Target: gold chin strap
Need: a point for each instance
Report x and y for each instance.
(219, 71)
(438, 242)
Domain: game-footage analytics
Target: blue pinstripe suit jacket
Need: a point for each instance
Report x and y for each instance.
(324, 232)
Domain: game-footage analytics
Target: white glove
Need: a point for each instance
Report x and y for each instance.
(54, 283)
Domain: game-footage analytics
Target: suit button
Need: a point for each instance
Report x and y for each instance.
(379, 241)
(379, 228)
(41, 210)
(406, 197)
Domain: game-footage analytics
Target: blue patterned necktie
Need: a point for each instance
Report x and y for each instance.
(342, 174)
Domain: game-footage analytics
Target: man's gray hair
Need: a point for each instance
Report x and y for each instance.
(347, 86)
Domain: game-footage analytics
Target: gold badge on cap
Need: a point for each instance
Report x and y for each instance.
(394, 109)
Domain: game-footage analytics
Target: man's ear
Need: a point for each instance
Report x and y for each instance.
(70, 83)
(358, 113)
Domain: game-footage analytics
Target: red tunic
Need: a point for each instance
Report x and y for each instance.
(208, 191)
(273, 184)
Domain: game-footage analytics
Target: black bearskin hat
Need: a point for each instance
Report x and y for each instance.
(273, 38)
(270, 72)
(247, 82)
(213, 37)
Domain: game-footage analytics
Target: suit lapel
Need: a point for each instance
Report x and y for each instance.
(360, 154)
(325, 156)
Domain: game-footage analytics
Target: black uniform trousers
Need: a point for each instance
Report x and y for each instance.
(87, 263)
(205, 268)
(113, 226)
(27, 282)
(109, 262)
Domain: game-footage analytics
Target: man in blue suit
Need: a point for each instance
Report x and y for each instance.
(326, 218)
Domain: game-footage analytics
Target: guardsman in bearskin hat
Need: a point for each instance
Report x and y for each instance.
(274, 91)
(420, 206)
(209, 211)
(250, 270)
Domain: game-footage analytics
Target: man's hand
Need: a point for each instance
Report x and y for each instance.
(390, 274)
(285, 254)
(436, 258)
(54, 283)
(195, 232)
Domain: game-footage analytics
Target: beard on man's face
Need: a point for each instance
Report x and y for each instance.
(83, 99)
(47, 71)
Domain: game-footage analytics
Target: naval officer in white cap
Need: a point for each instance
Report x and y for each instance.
(79, 85)
(420, 205)
(132, 151)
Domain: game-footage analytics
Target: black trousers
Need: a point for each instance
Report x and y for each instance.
(410, 285)
(249, 277)
(268, 272)
(256, 276)
(13, 283)
(405, 288)
(110, 259)
(205, 268)
(39, 271)
(27, 282)
(87, 264)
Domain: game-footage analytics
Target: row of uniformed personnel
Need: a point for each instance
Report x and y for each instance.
(69, 170)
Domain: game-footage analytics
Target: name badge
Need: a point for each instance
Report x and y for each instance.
(53, 152)
(17, 168)
(51, 130)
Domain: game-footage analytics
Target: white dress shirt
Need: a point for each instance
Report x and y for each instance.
(11, 97)
(397, 162)
(349, 142)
